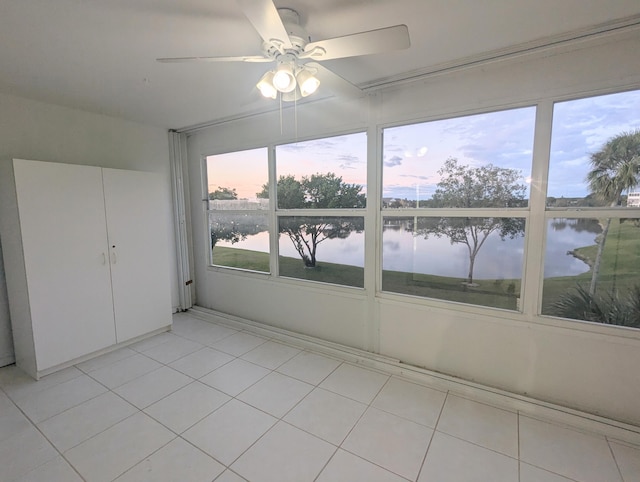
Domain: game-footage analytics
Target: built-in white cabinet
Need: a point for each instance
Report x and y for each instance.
(86, 259)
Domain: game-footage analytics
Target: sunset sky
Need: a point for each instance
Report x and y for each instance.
(412, 154)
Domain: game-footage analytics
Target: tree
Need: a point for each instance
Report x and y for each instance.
(318, 191)
(612, 308)
(223, 193)
(463, 186)
(225, 231)
(615, 168)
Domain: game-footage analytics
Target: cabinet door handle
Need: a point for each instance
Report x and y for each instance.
(104, 259)
(115, 258)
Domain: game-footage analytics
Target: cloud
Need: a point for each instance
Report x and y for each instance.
(349, 161)
(393, 148)
(415, 176)
(349, 158)
(502, 138)
(394, 161)
(580, 128)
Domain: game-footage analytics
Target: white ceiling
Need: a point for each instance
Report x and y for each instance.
(99, 55)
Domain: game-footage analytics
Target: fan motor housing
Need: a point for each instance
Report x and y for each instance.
(297, 35)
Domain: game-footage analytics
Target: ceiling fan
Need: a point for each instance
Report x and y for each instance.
(297, 72)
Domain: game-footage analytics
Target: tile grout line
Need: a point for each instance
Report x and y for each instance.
(314, 386)
(433, 434)
(35, 426)
(145, 457)
(281, 419)
(234, 397)
(211, 316)
(368, 405)
(142, 410)
(519, 461)
(138, 410)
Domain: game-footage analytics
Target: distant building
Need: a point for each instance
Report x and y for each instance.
(633, 200)
(238, 204)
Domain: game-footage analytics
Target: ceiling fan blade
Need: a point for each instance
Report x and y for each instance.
(334, 82)
(246, 58)
(363, 43)
(264, 17)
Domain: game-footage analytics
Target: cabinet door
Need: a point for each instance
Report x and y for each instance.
(64, 238)
(139, 251)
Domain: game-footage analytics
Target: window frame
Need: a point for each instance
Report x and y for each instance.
(536, 216)
(207, 212)
(275, 213)
(582, 212)
(501, 212)
(313, 212)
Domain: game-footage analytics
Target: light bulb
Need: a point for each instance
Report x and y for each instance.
(266, 86)
(283, 79)
(307, 82)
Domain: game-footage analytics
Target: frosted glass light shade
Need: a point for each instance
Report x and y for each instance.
(265, 85)
(283, 79)
(307, 82)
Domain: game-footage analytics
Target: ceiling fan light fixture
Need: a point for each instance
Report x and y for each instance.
(266, 87)
(307, 81)
(283, 79)
(292, 96)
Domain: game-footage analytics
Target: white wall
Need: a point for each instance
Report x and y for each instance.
(39, 131)
(575, 364)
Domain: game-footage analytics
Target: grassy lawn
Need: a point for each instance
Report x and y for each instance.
(339, 274)
(500, 294)
(241, 258)
(495, 293)
(620, 268)
(290, 267)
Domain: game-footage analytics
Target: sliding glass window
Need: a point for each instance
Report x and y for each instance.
(455, 203)
(238, 210)
(593, 211)
(321, 191)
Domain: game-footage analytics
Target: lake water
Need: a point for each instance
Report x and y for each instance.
(402, 251)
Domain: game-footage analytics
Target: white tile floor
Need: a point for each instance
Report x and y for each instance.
(208, 402)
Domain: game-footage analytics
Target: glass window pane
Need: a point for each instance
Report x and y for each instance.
(240, 240)
(236, 179)
(599, 135)
(481, 160)
(323, 173)
(571, 290)
(469, 260)
(325, 249)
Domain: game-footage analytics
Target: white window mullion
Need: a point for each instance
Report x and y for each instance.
(532, 278)
(273, 217)
(372, 225)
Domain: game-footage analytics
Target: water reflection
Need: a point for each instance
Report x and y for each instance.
(564, 236)
(402, 251)
(578, 225)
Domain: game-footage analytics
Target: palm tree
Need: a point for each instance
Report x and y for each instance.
(615, 168)
(610, 308)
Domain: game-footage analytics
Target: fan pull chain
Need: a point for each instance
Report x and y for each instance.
(295, 115)
(281, 131)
